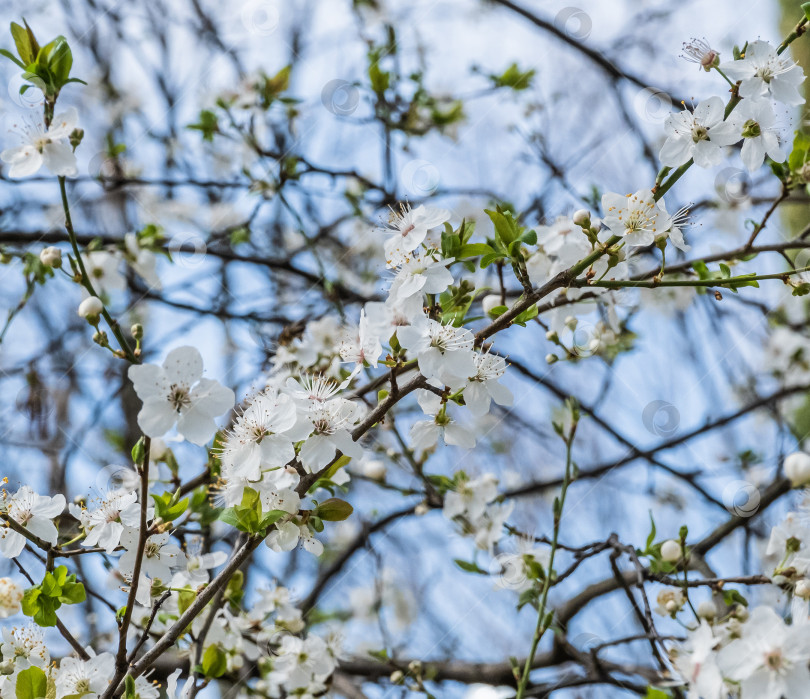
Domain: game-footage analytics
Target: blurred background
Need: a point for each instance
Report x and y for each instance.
(269, 186)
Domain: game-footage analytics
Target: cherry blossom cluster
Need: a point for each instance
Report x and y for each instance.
(293, 439)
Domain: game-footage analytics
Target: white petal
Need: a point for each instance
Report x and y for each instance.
(212, 398)
(196, 426)
(60, 159)
(156, 417)
(183, 365)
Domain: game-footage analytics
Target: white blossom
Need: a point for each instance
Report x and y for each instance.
(770, 658)
(45, 147)
(443, 352)
(700, 135)
(483, 386)
(765, 73)
(409, 227)
(754, 123)
(11, 595)
(262, 436)
(25, 646)
(105, 522)
(425, 433)
(85, 678)
(176, 392)
(34, 513)
(696, 662)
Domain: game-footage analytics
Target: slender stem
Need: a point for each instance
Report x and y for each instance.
(541, 626)
(121, 663)
(652, 284)
(86, 281)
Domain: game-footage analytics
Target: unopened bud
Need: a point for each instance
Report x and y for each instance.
(797, 468)
(582, 218)
(707, 610)
(421, 509)
(137, 331)
(802, 589)
(91, 309)
(552, 336)
(397, 676)
(374, 469)
(551, 358)
(671, 551)
(489, 302)
(76, 137)
(51, 257)
(571, 323)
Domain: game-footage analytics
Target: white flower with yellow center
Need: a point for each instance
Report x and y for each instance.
(45, 147)
(177, 393)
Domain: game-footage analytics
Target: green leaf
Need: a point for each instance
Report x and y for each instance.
(208, 124)
(513, 77)
(129, 687)
(215, 662)
(526, 316)
(334, 510)
(469, 566)
(507, 229)
(732, 597)
(651, 536)
(73, 593)
(806, 9)
(60, 60)
(12, 57)
(22, 40)
(271, 517)
(653, 693)
(475, 249)
(32, 684)
(529, 237)
(168, 510)
(487, 260)
(702, 270)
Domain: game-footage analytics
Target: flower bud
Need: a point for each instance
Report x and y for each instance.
(157, 449)
(804, 173)
(582, 218)
(802, 589)
(397, 676)
(51, 257)
(797, 468)
(421, 509)
(671, 551)
(552, 336)
(136, 331)
(551, 358)
(91, 309)
(75, 138)
(489, 302)
(374, 469)
(571, 322)
(707, 610)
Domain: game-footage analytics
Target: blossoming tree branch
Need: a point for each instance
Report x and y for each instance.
(408, 377)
